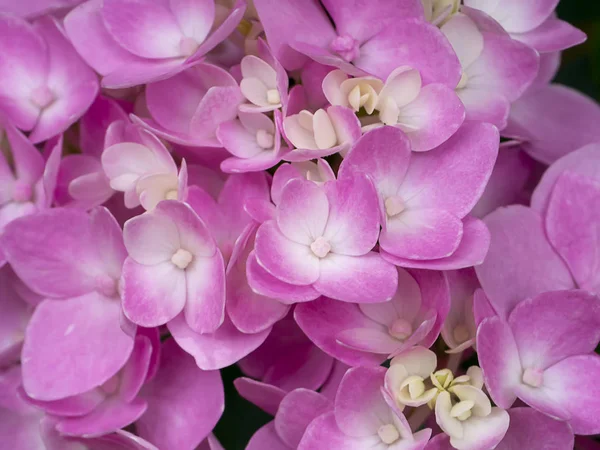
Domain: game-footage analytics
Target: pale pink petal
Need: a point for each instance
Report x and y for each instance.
(213, 351)
(358, 279)
(184, 402)
(266, 396)
(90, 346)
(552, 35)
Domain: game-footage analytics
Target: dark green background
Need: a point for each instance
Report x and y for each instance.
(580, 69)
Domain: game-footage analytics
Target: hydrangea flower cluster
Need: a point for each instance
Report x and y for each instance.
(349, 199)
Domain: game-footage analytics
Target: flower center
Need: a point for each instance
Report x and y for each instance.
(460, 333)
(264, 139)
(442, 379)
(394, 206)
(462, 410)
(400, 329)
(106, 285)
(320, 247)
(42, 97)
(172, 195)
(363, 95)
(345, 46)
(187, 46)
(388, 433)
(273, 97)
(533, 377)
(182, 258)
(22, 192)
(413, 387)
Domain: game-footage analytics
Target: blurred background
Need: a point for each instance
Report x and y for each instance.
(580, 69)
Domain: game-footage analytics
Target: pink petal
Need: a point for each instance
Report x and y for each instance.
(483, 432)
(152, 295)
(433, 181)
(506, 66)
(357, 279)
(24, 67)
(528, 426)
(195, 395)
(266, 396)
(353, 224)
(325, 429)
(432, 117)
(519, 265)
(555, 325)
(108, 417)
(303, 211)
(574, 387)
(212, 351)
(517, 16)
(263, 283)
(278, 17)
(360, 408)
(296, 411)
(413, 43)
(548, 132)
(204, 309)
(499, 359)
(387, 144)
(552, 35)
(194, 17)
(422, 234)
(285, 259)
(324, 318)
(572, 222)
(471, 251)
(134, 372)
(90, 346)
(266, 437)
(485, 106)
(94, 123)
(147, 29)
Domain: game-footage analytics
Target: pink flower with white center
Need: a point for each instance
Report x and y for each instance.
(137, 42)
(28, 184)
(362, 418)
(253, 139)
(264, 82)
(548, 133)
(425, 197)
(73, 259)
(187, 108)
(45, 85)
(143, 169)
(544, 355)
(359, 38)
(248, 315)
(533, 23)
(547, 255)
(295, 412)
(429, 115)
(321, 243)
(527, 427)
(459, 328)
(368, 334)
(112, 405)
(496, 70)
(184, 403)
(173, 266)
(322, 133)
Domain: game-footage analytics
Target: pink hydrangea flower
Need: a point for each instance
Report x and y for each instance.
(321, 243)
(424, 201)
(368, 334)
(544, 355)
(45, 86)
(136, 43)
